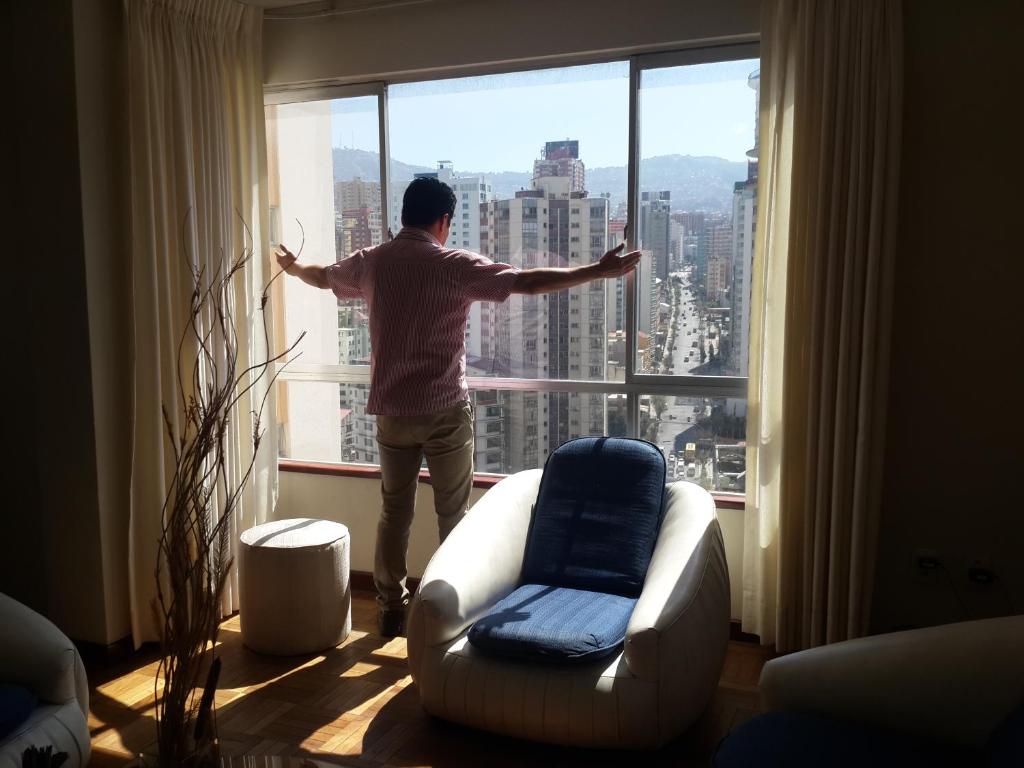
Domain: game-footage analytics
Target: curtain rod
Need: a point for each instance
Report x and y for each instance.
(330, 9)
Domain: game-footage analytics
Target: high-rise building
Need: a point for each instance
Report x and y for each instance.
(561, 159)
(353, 333)
(490, 432)
(720, 239)
(560, 335)
(655, 236)
(356, 228)
(358, 428)
(356, 194)
(712, 237)
(676, 243)
(357, 216)
(717, 279)
(694, 241)
(469, 191)
(744, 216)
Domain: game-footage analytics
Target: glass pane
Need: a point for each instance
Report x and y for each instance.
(698, 185)
(703, 438)
(325, 421)
(325, 187)
(537, 161)
(514, 430)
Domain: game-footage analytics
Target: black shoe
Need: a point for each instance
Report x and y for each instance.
(391, 622)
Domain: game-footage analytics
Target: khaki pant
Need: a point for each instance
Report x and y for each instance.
(446, 439)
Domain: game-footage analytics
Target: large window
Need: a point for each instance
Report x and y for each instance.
(550, 168)
(698, 173)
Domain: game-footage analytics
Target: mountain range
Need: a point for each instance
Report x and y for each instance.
(697, 183)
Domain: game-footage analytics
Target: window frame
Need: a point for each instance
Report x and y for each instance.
(635, 385)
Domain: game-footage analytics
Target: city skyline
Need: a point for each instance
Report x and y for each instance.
(553, 337)
(591, 103)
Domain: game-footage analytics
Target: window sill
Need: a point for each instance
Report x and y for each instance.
(366, 472)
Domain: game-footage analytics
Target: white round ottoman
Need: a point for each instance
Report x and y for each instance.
(294, 586)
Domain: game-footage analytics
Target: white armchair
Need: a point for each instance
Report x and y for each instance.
(37, 655)
(643, 696)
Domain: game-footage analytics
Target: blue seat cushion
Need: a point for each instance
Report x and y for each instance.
(16, 704)
(554, 624)
(597, 516)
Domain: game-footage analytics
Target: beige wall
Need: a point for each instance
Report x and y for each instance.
(412, 39)
(954, 434)
(355, 502)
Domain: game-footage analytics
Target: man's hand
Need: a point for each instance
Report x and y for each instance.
(285, 258)
(311, 274)
(615, 263)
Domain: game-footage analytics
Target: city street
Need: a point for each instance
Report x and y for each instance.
(681, 413)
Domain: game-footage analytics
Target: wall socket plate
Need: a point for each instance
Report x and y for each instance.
(927, 559)
(980, 573)
(926, 568)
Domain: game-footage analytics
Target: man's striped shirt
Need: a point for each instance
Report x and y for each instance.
(418, 294)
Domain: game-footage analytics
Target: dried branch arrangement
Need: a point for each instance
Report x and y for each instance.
(194, 557)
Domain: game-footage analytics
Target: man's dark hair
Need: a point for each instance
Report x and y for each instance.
(426, 200)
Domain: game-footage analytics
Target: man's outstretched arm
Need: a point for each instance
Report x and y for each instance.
(615, 263)
(311, 274)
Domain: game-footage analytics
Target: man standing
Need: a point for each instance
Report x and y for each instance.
(419, 294)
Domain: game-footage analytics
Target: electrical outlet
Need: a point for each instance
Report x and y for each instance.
(927, 560)
(980, 572)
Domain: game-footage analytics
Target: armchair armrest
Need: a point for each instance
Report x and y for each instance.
(954, 683)
(687, 573)
(478, 564)
(37, 655)
(679, 630)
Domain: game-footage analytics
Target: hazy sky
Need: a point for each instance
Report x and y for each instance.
(500, 122)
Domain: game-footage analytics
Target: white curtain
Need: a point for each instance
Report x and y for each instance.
(198, 170)
(831, 101)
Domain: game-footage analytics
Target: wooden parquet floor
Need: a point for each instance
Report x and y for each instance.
(356, 705)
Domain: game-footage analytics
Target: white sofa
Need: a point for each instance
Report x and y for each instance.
(642, 697)
(951, 695)
(37, 655)
(952, 684)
